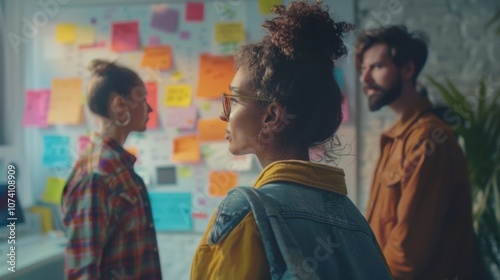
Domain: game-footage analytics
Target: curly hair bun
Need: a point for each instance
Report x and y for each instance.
(100, 67)
(305, 30)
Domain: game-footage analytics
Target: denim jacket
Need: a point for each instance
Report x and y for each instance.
(308, 232)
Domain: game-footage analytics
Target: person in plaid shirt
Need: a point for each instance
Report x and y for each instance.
(105, 203)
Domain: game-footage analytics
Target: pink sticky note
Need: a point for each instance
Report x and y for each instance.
(154, 41)
(36, 108)
(183, 118)
(165, 19)
(125, 36)
(345, 110)
(185, 35)
(83, 142)
(195, 11)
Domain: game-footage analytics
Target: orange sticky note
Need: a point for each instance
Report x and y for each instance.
(215, 75)
(221, 182)
(211, 129)
(178, 96)
(66, 101)
(157, 57)
(152, 89)
(186, 149)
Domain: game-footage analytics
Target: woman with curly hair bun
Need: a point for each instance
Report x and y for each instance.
(296, 222)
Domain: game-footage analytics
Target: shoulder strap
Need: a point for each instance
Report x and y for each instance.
(230, 213)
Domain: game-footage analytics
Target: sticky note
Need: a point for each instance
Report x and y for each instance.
(195, 11)
(217, 157)
(65, 33)
(185, 35)
(85, 35)
(53, 190)
(166, 175)
(186, 149)
(345, 111)
(154, 41)
(212, 129)
(125, 36)
(266, 5)
(45, 215)
(183, 118)
(36, 108)
(133, 150)
(220, 182)
(171, 211)
(184, 172)
(229, 32)
(178, 96)
(157, 57)
(152, 99)
(177, 76)
(339, 77)
(66, 101)
(165, 19)
(83, 142)
(215, 75)
(56, 151)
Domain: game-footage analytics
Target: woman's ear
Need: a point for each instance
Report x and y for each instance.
(275, 117)
(117, 105)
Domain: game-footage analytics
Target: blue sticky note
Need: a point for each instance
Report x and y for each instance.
(56, 151)
(339, 78)
(171, 211)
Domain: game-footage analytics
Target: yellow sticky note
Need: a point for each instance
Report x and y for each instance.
(65, 33)
(186, 149)
(185, 172)
(45, 217)
(229, 32)
(177, 76)
(66, 101)
(157, 57)
(220, 182)
(266, 5)
(53, 190)
(85, 35)
(178, 96)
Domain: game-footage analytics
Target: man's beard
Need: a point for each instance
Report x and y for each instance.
(381, 97)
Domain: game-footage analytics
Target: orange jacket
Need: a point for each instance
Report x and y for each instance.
(420, 201)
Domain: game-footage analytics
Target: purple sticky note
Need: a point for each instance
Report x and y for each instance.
(154, 41)
(185, 35)
(195, 11)
(165, 19)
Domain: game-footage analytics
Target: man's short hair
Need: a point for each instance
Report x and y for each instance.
(403, 46)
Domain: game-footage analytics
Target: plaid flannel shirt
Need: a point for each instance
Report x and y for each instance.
(107, 212)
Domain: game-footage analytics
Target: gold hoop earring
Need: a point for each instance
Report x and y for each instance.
(127, 121)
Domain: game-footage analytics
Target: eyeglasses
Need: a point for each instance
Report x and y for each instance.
(226, 101)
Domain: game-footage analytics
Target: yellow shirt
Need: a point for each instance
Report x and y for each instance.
(241, 254)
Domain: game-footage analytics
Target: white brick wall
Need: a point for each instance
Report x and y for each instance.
(460, 48)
